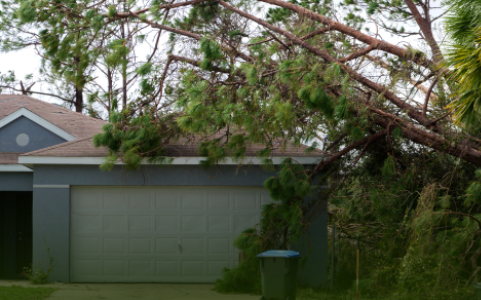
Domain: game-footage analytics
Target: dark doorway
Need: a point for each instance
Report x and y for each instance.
(15, 233)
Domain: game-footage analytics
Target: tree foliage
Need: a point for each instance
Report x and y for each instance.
(276, 73)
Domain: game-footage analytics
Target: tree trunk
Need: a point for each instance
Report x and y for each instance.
(79, 100)
(124, 69)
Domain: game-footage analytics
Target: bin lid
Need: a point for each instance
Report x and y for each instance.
(279, 253)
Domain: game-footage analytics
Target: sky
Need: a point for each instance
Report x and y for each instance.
(27, 61)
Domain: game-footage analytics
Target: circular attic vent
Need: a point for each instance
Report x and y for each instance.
(23, 139)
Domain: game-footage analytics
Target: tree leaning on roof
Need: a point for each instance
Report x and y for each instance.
(273, 72)
(289, 74)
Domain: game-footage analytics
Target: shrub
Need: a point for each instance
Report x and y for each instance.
(36, 273)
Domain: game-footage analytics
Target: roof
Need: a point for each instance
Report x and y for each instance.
(85, 148)
(84, 128)
(77, 124)
(9, 157)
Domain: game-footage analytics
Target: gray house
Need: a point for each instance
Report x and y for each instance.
(162, 223)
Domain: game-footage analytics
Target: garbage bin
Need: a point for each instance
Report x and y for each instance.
(279, 274)
(477, 286)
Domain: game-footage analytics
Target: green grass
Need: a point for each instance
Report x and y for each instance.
(464, 293)
(21, 293)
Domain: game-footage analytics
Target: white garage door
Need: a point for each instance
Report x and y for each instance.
(158, 234)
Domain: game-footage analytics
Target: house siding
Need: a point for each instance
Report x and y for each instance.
(51, 208)
(16, 181)
(39, 137)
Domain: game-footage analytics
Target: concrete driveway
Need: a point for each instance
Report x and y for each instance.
(128, 291)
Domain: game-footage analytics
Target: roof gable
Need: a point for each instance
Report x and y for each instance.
(24, 135)
(65, 124)
(23, 112)
(76, 124)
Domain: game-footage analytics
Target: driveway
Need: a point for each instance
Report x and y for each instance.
(128, 291)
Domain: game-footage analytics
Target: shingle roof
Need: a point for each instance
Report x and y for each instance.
(77, 124)
(8, 158)
(85, 148)
(84, 128)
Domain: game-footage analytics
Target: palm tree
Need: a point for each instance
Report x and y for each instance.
(463, 26)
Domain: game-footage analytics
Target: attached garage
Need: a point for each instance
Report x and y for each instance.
(171, 222)
(158, 234)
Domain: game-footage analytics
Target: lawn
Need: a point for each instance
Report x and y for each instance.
(22, 293)
(465, 293)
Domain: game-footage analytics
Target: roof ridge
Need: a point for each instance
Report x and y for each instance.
(61, 107)
(58, 146)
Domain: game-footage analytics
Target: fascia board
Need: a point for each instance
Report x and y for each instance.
(14, 168)
(49, 160)
(23, 112)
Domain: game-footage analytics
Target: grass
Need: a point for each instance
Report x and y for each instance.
(21, 293)
(465, 293)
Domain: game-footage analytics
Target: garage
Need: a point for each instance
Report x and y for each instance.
(158, 234)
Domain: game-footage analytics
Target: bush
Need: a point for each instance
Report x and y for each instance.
(35, 273)
(245, 278)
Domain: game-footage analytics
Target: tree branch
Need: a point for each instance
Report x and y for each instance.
(322, 165)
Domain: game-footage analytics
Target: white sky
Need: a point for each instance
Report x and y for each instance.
(27, 61)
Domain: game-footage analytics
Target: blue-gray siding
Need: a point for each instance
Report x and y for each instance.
(16, 181)
(39, 137)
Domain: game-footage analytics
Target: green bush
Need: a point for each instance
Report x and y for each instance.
(36, 273)
(245, 278)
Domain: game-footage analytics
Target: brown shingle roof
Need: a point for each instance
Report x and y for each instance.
(78, 125)
(85, 148)
(9, 158)
(84, 128)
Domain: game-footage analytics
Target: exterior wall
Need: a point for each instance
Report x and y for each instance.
(51, 220)
(51, 202)
(163, 175)
(39, 137)
(16, 181)
(314, 272)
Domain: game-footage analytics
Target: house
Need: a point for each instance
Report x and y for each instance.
(161, 223)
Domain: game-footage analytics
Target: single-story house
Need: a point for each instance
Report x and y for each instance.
(162, 223)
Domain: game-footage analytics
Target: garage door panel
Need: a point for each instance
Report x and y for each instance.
(140, 268)
(140, 245)
(167, 201)
(158, 234)
(167, 223)
(192, 268)
(166, 246)
(87, 267)
(140, 223)
(167, 268)
(115, 267)
(192, 245)
(243, 222)
(87, 245)
(246, 201)
(88, 200)
(219, 224)
(215, 268)
(192, 201)
(87, 223)
(114, 201)
(115, 223)
(140, 201)
(191, 224)
(219, 201)
(115, 245)
(220, 245)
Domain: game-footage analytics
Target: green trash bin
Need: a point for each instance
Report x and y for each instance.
(477, 286)
(279, 274)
